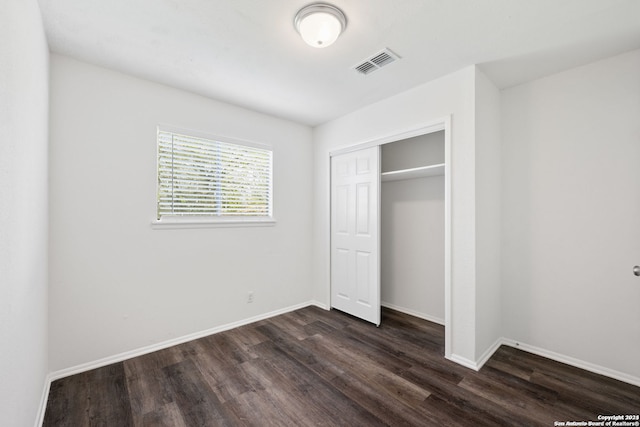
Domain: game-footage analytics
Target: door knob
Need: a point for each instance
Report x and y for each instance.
(636, 270)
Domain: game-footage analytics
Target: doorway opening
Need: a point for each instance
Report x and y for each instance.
(394, 165)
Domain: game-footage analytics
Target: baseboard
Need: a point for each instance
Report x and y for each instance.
(464, 362)
(487, 354)
(587, 366)
(320, 305)
(581, 364)
(478, 364)
(43, 401)
(175, 341)
(413, 313)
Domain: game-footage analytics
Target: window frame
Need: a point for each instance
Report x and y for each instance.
(211, 221)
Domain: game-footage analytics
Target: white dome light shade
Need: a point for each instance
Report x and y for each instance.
(320, 24)
(320, 29)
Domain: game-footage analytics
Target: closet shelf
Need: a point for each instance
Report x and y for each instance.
(420, 172)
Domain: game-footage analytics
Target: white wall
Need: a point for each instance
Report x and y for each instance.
(418, 151)
(450, 95)
(571, 211)
(488, 216)
(116, 284)
(412, 246)
(24, 58)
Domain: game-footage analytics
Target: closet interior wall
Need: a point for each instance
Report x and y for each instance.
(412, 226)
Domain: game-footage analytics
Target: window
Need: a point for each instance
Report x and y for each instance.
(212, 180)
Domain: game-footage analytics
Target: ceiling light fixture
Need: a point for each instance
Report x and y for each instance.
(320, 24)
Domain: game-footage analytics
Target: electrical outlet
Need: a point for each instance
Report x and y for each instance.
(250, 297)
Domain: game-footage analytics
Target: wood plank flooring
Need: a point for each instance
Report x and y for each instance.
(314, 367)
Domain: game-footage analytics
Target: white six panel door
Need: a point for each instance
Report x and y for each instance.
(355, 244)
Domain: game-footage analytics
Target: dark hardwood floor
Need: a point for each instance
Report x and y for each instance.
(313, 367)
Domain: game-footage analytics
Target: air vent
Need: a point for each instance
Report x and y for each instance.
(376, 62)
(366, 68)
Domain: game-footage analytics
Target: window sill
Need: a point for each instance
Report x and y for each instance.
(177, 223)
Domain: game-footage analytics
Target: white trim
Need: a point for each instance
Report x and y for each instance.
(169, 343)
(478, 364)
(378, 219)
(548, 354)
(43, 401)
(431, 127)
(487, 354)
(448, 238)
(463, 361)
(320, 305)
(414, 313)
(170, 223)
(587, 366)
(212, 136)
(328, 246)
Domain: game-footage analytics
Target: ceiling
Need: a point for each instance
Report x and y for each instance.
(247, 52)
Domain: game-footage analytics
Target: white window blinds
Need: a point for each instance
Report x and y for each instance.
(203, 177)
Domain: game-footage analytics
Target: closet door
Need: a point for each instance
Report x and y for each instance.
(355, 230)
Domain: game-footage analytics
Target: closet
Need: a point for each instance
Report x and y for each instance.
(412, 226)
(388, 228)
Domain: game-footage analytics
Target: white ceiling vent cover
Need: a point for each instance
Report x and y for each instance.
(376, 62)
